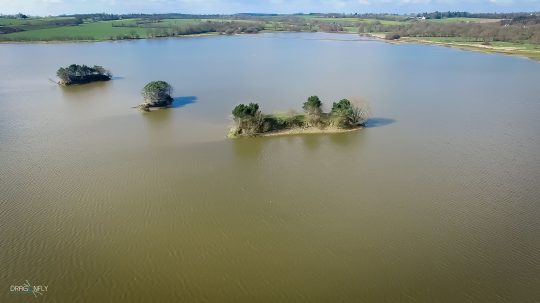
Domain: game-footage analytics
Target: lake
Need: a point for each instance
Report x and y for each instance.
(437, 200)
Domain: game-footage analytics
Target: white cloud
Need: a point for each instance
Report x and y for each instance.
(502, 2)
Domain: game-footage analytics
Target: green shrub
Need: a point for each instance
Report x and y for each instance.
(313, 108)
(345, 114)
(312, 103)
(249, 120)
(157, 94)
(392, 36)
(242, 111)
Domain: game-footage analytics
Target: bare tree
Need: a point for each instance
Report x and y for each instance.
(361, 111)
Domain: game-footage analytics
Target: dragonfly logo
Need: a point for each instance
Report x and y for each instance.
(26, 288)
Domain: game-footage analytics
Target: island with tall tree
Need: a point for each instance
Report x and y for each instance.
(156, 94)
(345, 116)
(82, 74)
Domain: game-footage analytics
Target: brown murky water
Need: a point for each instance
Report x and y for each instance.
(438, 200)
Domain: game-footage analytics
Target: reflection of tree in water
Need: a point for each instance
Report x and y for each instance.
(159, 118)
(163, 116)
(311, 142)
(248, 148)
(86, 89)
(252, 147)
(354, 140)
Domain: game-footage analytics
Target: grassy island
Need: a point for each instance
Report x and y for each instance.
(345, 116)
(81, 74)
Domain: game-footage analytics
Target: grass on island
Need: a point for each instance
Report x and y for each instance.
(296, 124)
(279, 124)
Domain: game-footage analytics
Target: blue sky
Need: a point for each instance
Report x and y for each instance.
(54, 7)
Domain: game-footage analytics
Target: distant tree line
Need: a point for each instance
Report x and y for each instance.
(16, 16)
(109, 17)
(530, 19)
(449, 14)
(59, 22)
(332, 27)
(510, 18)
(427, 15)
(290, 23)
(473, 31)
(502, 15)
(441, 15)
(228, 28)
(95, 17)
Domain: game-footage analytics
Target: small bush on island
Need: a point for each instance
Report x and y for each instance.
(392, 36)
(242, 111)
(250, 121)
(156, 94)
(80, 74)
(313, 109)
(347, 114)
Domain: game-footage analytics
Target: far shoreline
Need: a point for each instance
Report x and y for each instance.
(113, 40)
(468, 46)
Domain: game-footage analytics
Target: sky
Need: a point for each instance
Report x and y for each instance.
(56, 7)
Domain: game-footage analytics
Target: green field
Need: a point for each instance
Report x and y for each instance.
(31, 21)
(102, 30)
(60, 29)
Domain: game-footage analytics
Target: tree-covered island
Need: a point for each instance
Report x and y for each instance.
(156, 94)
(81, 74)
(344, 116)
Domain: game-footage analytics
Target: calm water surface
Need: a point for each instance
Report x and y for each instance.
(438, 200)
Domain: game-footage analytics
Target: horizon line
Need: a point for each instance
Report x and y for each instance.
(274, 14)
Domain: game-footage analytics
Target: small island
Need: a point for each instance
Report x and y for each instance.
(156, 94)
(345, 116)
(82, 74)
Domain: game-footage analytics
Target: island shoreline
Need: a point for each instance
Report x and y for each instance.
(302, 131)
